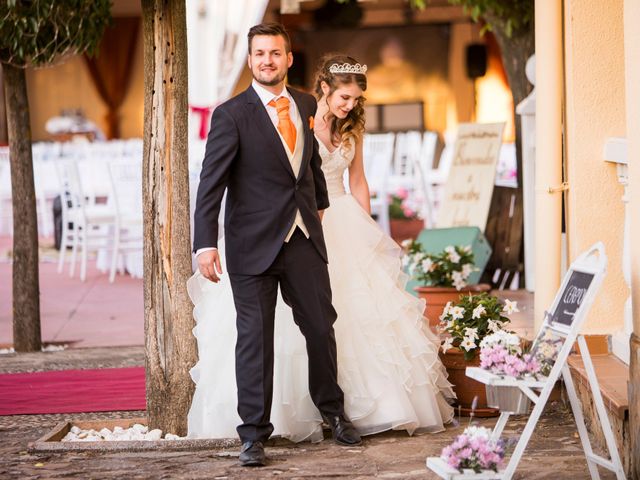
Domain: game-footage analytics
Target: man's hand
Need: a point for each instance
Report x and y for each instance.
(209, 265)
(321, 214)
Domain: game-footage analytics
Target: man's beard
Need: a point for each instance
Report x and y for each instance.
(274, 81)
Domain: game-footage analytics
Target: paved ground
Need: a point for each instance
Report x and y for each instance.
(553, 453)
(92, 313)
(107, 317)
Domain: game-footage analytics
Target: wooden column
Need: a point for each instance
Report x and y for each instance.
(169, 344)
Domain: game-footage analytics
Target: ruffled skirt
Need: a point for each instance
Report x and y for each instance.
(388, 364)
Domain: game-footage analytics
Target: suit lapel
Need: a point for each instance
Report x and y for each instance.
(308, 141)
(259, 114)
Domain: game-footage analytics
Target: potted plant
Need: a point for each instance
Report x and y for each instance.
(443, 276)
(465, 325)
(404, 221)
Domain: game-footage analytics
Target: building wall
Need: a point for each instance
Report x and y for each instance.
(68, 85)
(595, 110)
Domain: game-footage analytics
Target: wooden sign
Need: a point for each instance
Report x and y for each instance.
(469, 187)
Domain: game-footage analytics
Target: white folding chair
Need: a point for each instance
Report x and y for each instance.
(84, 224)
(6, 207)
(424, 169)
(378, 155)
(126, 197)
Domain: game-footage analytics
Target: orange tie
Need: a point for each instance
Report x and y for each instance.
(285, 126)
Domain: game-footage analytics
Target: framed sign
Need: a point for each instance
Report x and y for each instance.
(469, 187)
(571, 297)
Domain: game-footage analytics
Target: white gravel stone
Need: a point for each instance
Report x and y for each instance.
(137, 432)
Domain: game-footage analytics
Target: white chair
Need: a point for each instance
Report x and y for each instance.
(378, 155)
(84, 224)
(424, 169)
(6, 207)
(126, 198)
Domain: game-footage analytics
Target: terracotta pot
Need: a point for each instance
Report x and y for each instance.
(466, 388)
(402, 229)
(437, 298)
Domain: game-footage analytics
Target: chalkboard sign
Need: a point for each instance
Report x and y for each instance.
(571, 298)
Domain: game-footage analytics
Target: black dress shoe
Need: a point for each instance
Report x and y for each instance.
(343, 431)
(252, 454)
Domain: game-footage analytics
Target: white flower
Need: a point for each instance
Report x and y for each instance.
(454, 257)
(468, 344)
(459, 282)
(406, 243)
(467, 268)
(447, 308)
(427, 264)
(450, 249)
(478, 432)
(467, 249)
(478, 311)
(471, 333)
(406, 260)
(510, 307)
(493, 326)
(456, 312)
(447, 344)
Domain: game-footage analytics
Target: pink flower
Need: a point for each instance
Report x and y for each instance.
(408, 212)
(402, 193)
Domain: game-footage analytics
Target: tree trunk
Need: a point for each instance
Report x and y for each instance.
(26, 290)
(506, 234)
(169, 345)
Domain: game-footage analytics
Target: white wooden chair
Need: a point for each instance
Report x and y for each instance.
(378, 155)
(86, 225)
(126, 187)
(6, 207)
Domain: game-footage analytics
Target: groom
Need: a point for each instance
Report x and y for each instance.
(261, 148)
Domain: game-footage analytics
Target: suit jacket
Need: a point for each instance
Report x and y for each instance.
(245, 155)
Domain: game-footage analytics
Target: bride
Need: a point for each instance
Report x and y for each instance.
(388, 365)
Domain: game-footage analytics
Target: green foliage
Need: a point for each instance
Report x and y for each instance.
(473, 318)
(35, 32)
(449, 268)
(507, 15)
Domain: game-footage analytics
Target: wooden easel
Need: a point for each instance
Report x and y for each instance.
(565, 321)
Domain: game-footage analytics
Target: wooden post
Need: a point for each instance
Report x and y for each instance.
(170, 347)
(26, 290)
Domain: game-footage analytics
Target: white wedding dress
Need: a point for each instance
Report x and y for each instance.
(388, 365)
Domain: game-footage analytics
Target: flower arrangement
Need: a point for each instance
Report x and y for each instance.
(400, 207)
(449, 268)
(476, 450)
(501, 353)
(546, 350)
(472, 319)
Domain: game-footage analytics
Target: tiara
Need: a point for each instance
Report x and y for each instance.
(348, 68)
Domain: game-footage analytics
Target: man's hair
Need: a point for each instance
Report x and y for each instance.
(273, 29)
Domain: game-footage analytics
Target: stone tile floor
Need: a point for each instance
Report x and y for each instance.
(554, 451)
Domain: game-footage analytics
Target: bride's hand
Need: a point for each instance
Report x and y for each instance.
(209, 265)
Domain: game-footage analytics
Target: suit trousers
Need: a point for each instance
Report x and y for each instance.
(304, 282)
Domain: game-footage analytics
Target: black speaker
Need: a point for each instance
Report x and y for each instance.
(297, 73)
(476, 60)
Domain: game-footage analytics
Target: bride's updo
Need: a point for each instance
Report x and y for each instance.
(351, 128)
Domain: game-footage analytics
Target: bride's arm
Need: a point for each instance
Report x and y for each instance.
(357, 180)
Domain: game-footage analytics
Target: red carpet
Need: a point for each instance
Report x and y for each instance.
(72, 391)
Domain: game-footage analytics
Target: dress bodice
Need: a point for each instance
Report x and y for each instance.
(334, 164)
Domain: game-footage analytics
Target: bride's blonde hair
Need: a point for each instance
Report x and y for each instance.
(351, 128)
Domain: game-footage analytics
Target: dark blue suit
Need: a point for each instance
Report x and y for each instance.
(245, 155)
